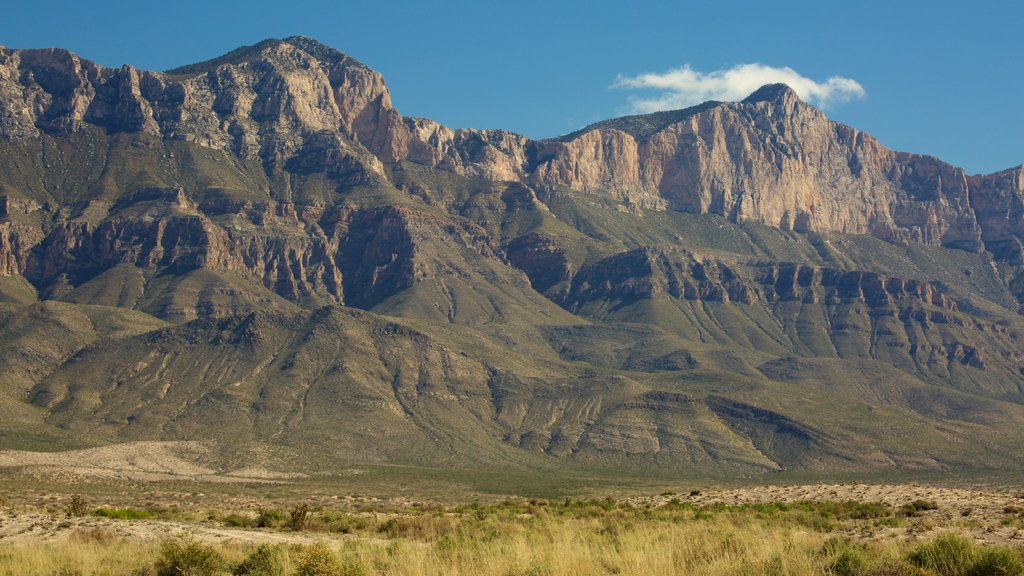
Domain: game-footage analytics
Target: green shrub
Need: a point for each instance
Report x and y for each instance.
(354, 566)
(238, 521)
(426, 528)
(123, 513)
(845, 557)
(951, 555)
(266, 560)
(997, 561)
(343, 523)
(318, 560)
(852, 561)
(272, 518)
(186, 556)
(947, 555)
(917, 506)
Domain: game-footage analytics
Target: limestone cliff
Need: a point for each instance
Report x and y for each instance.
(299, 125)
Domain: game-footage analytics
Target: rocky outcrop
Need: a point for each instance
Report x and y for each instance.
(307, 115)
(649, 271)
(770, 158)
(998, 201)
(541, 258)
(646, 272)
(171, 234)
(263, 101)
(809, 284)
(16, 236)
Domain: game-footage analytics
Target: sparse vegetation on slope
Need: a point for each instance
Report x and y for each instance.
(571, 536)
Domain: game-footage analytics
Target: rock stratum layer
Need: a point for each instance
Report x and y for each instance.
(261, 248)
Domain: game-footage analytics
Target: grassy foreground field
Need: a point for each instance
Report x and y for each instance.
(672, 533)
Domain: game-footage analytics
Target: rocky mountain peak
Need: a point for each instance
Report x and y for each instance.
(325, 54)
(777, 93)
(274, 49)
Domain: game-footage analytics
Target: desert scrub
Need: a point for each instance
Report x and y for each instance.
(77, 506)
(318, 560)
(236, 520)
(271, 518)
(77, 555)
(954, 555)
(916, 507)
(265, 560)
(554, 539)
(297, 517)
(187, 555)
(123, 513)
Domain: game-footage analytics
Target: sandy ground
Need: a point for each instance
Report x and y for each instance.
(979, 513)
(21, 526)
(986, 514)
(141, 461)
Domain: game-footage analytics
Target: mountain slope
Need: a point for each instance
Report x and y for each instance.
(259, 249)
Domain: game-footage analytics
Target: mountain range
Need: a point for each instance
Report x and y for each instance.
(260, 252)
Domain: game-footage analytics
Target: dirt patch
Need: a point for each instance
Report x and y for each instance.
(22, 526)
(139, 461)
(987, 515)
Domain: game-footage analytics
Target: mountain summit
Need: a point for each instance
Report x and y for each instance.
(261, 250)
(774, 93)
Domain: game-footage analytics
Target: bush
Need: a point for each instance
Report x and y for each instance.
(917, 506)
(993, 561)
(851, 561)
(952, 555)
(122, 513)
(297, 517)
(947, 555)
(425, 528)
(342, 523)
(845, 557)
(318, 560)
(97, 535)
(272, 518)
(238, 521)
(186, 556)
(77, 506)
(266, 560)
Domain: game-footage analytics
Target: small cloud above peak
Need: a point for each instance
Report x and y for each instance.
(683, 87)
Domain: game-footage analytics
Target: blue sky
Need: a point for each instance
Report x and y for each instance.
(940, 78)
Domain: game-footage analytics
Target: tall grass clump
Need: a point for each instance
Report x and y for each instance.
(187, 556)
(318, 560)
(954, 555)
(265, 560)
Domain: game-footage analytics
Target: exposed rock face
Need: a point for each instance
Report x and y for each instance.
(181, 237)
(264, 102)
(298, 105)
(998, 200)
(16, 238)
(789, 281)
(646, 272)
(774, 160)
(543, 260)
(304, 111)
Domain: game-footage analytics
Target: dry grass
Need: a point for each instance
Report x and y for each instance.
(544, 538)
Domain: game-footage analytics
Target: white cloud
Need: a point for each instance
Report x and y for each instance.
(683, 87)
